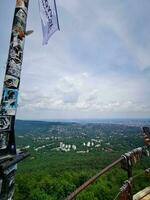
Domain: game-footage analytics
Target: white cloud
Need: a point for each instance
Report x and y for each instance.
(72, 74)
(88, 95)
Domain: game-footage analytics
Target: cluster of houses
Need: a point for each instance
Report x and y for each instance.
(85, 147)
(67, 147)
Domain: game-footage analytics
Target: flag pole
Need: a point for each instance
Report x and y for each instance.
(56, 15)
(8, 154)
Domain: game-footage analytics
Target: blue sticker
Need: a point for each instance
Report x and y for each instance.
(9, 101)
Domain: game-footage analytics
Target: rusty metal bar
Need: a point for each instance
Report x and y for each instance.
(73, 195)
(93, 179)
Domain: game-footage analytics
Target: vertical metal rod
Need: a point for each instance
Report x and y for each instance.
(10, 96)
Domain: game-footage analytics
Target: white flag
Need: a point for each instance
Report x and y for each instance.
(49, 18)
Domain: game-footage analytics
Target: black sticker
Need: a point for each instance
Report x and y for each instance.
(5, 123)
(14, 67)
(11, 82)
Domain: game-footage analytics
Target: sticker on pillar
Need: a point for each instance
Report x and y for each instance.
(19, 27)
(21, 16)
(19, 24)
(11, 82)
(22, 4)
(17, 44)
(14, 67)
(9, 101)
(17, 39)
(4, 140)
(16, 54)
(5, 123)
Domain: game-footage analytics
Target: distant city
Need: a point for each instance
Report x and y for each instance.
(124, 121)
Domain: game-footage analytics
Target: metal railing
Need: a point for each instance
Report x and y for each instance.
(127, 161)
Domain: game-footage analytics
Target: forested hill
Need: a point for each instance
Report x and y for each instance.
(27, 126)
(65, 154)
(42, 127)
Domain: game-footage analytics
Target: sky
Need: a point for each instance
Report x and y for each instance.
(96, 66)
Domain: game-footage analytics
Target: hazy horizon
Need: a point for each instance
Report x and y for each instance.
(83, 119)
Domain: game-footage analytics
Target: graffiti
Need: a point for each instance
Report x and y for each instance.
(16, 46)
(22, 4)
(11, 82)
(16, 54)
(13, 71)
(3, 140)
(17, 43)
(14, 67)
(19, 24)
(9, 101)
(21, 16)
(5, 123)
(18, 32)
(8, 105)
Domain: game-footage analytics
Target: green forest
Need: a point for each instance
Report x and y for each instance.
(53, 175)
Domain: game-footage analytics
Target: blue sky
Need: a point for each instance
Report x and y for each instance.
(97, 66)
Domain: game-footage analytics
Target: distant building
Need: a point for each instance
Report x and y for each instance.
(74, 147)
(88, 144)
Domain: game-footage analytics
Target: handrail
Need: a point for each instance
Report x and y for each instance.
(93, 179)
(109, 167)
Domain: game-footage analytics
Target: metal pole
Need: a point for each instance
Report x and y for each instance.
(9, 99)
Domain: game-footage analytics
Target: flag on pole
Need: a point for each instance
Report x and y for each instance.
(49, 18)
